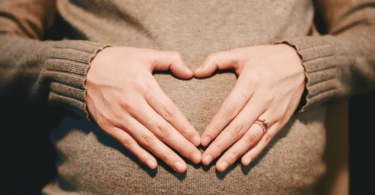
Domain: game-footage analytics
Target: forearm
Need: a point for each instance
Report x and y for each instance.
(340, 62)
(40, 72)
(52, 72)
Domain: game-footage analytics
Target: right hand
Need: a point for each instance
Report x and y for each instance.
(127, 103)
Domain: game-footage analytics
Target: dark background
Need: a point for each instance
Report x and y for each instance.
(361, 143)
(28, 157)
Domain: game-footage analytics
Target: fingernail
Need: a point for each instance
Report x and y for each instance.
(205, 141)
(197, 157)
(151, 164)
(188, 70)
(207, 159)
(247, 160)
(179, 167)
(223, 165)
(196, 141)
(199, 68)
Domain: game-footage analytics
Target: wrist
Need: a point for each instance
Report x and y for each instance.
(303, 101)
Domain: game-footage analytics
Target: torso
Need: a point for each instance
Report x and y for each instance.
(194, 29)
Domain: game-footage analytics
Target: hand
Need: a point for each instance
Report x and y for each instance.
(127, 103)
(270, 84)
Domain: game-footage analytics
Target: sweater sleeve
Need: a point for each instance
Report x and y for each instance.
(341, 61)
(41, 72)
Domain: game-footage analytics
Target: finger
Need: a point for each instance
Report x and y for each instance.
(149, 141)
(251, 137)
(281, 113)
(220, 60)
(259, 147)
(128, 142)
(232, 105)
(235, 130)
(170, 60)
(167, 133)
(164, 106)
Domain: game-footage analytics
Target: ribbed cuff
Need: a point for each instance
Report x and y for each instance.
(67, 64)
(317, 55)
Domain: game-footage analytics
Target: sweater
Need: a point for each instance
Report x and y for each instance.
(337, 56)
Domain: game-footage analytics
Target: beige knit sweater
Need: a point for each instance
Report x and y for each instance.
(338, 63)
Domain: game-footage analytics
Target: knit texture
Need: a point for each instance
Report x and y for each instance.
(67, 64)
(91, 162)
(48, 72)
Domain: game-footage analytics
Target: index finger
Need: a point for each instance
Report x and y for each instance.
(232, 105)
(165, 107)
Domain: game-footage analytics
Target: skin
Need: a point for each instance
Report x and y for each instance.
(127, 103)
(270, 84)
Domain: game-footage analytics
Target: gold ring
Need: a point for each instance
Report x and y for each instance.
(263, 123)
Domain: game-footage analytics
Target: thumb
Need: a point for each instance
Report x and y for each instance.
(220, 60)
(171, 60)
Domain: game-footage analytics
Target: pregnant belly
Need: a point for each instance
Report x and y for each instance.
(94, 163)
(198, 99)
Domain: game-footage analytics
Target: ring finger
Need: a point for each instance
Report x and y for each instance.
(150, 142)
(248, 140)
(258, 147)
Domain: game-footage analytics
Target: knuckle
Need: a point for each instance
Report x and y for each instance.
(269, 99)
(234, 155)
(215, 130)
(187, 132)
(149, 93)
(161, 130)
(168, 111)
(138, 83)
(191, 135)
(125, 105)
(243, 93)
(212, 131)
(126, 142)
(147, 141)
(254, 79)
(268, 137)
(231, 111)
(115, 119)
(282, 113)
(238, 131)
(218, 148)
(251, 138)
(167, 157)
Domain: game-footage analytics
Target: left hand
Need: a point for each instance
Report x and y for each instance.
(270, 85)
